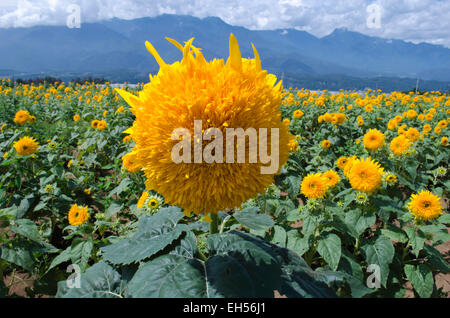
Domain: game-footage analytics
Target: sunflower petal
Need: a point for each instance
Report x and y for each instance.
(235, 58)
(155, 54)
(257, 59)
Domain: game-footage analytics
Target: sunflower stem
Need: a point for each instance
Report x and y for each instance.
(214, 226)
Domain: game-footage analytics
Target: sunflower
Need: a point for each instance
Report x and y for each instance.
(398, 118)
(437, 130)
(298, 113)
(340, 118)
(76, 117)
(314, 186)
(234, 94)
(94, 123)
(341, 162)
(360, 122)
(119, 110)
(149, 204)
(130, 162)
(78, 215)
(442, 124)
(411, 114)
(26, 146)
(102, 125)
(293, 145)
(22, 117)
(126, 139)
(348, 166)
(399, 144)
(332, 177)
(361, 198)
(444, 141)
(427, 128)
(412, 134)
(365, 175)
(326, 144)
(390, 178)
(286, 122)
(373, 139)
(392, 124)
(425, 205)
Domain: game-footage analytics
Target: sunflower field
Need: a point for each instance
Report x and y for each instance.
(91, 205)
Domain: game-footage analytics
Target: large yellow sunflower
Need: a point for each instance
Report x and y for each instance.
(425, 205)
(373, 139)
(341, 162)
(237, 93)
(399, 144)
(26, 146)
(78, 215)
(365, 175)
(314, 186)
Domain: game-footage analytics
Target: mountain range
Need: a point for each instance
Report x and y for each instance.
(118, 46)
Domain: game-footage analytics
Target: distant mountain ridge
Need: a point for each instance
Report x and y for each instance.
(119, 45)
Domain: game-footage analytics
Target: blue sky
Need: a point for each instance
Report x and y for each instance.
(409, 20)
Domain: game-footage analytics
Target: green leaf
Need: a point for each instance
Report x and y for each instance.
(250, 218)
(61, 258)
(26, 228)
(155, 233)
(379, 251)
(297, 243)
(169, 276)
(436, 259)
(416, 239)
(112, 210)
(140, 246)
(255, 255)
(421, 278)
(293, 184)
(445, 218)
(279, 236)
(19, 254)
(329, 247)
(121, 187)
(99, 281)
(359, 221)
(395, 234)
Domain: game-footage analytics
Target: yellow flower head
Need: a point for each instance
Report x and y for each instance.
(412, 134)
(365, 175)
(298, 113)
(373, 139)
(102, 125)
(411, 114)
(444, 141)
(332, 177)
(232, 94)
(119, 110)
(78, 215)
(130, 162)
(26, 146)
(94, 123)
(76, 117)
(22, 117)
(425, 205)
(437, 130)
(341, 162)
(442, 123)
(314, 186)
(326, 144)
(392, 124)
(399, 144)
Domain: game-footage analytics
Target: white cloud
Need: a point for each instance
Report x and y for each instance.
(410, 20)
